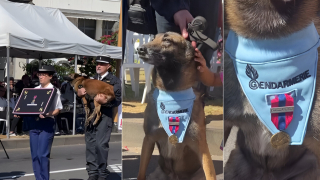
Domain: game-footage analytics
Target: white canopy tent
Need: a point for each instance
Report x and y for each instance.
(29, 31)
(33, 32)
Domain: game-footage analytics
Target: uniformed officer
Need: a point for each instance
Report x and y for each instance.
(97, 137)
(41, 128)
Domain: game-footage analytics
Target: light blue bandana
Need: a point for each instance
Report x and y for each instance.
(276, 68)
(174, 110)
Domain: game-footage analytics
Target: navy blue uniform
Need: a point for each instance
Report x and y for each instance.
(41, 134)
(97, 137)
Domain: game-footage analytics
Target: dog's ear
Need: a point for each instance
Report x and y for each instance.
(76, 76)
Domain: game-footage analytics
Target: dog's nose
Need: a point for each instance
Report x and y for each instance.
(141, 49)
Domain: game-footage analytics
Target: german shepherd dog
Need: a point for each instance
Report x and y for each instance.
(93, 87)
(174, 70)
(254, 157)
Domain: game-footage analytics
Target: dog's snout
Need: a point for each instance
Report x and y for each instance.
(141, 49)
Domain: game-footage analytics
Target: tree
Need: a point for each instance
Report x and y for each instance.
(89, 63)
(61, 70)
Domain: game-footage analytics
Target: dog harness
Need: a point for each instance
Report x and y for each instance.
(174, 111)
(278, 78)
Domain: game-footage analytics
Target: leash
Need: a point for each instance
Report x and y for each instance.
(195, 29)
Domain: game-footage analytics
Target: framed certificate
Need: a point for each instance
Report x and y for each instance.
(35, 101)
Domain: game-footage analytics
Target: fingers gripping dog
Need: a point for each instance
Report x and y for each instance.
(174, 116)
(93, 88)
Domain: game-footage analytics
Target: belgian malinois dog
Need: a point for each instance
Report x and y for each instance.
(93, 87)
(254, 157)
(174, 70)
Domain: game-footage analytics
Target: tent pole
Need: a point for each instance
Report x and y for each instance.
(74, 99)
(8, 92)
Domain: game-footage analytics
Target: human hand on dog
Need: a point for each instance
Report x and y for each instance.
(81, 92)
(207, 77)
(199, 58)
(181, 19)
(101, 99)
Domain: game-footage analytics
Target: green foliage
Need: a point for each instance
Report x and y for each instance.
(89, 67)
(89, 63)
(61, 70)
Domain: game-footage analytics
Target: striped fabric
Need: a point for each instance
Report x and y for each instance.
(282, 120)
(173, 126)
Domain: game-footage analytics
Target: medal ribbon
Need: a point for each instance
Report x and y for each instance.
(174, 128)
(282, 120)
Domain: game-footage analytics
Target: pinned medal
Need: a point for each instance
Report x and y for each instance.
(280, 140)
(174, 127)
(173, 139)
(282, 106)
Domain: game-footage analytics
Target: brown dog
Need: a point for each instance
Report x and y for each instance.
(93, 87)
(174, 70)
(254, 157)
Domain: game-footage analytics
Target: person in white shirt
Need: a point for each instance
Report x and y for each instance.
(42, 128)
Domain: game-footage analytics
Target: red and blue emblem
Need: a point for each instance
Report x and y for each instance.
(174, 124)
(283, 119)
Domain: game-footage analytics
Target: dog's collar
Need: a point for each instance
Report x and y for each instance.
(281, 71)
(174, 111)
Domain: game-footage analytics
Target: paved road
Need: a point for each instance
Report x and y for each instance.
(67, 163)
(131, 163)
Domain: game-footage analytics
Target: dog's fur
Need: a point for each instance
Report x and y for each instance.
(254, 157)
(174, 70)
(93, 87)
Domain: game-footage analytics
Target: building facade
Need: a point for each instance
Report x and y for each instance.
(94, 18)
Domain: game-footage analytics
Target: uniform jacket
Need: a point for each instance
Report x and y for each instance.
(106, 109)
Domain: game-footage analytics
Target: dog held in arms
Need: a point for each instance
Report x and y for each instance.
(254, 157)
(174, 70)
(93, 87)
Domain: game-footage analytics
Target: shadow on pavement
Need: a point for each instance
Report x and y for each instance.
(130, 165)
(114, 176)
(12, 175)
(132, 115)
